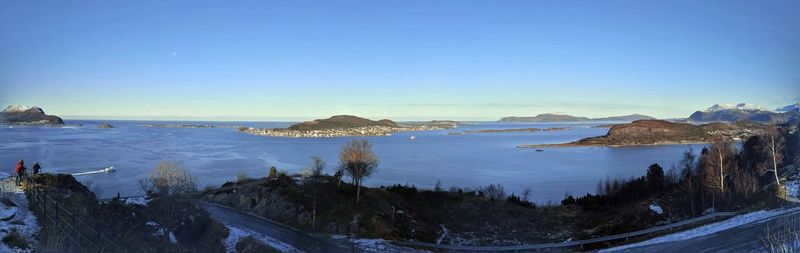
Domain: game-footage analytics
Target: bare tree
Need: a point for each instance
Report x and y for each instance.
(359, 162)
(438, 186)
(719, 161)
(168, 178)
(773, 145)
(318, 166)
(526, 193)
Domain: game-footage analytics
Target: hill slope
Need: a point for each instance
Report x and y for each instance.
(340, 121)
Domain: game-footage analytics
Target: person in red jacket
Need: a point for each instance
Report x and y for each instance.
(20, 171)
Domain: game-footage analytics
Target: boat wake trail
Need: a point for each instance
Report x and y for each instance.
(106, 170)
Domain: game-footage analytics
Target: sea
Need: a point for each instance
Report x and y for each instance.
(220, 154)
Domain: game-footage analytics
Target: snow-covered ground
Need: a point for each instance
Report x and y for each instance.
(656, 209)
(16, 217)
(754, 217)
(236, 234)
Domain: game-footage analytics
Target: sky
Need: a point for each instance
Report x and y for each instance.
(405, 60)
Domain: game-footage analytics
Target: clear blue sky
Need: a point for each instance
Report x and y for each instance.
(400, 59)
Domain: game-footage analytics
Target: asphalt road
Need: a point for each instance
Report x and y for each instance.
(744, 238)
(297, 239)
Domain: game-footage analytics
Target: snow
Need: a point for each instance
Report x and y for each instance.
(444, 234)
(136, 201)
(657, 209)
(754, 217)
(236, 234)
(380, 245)
(23, 220)
(794, 107)
(734, 106)
(793, 188)
(17, 108)
(172, 238)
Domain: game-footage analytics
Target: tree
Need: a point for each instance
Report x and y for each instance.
(438, 186)
(168, 178)
(655, 178)
(273, 172)
(718, 164)
(317, 167)
(526, 193)
(359, 162)
(773, 145)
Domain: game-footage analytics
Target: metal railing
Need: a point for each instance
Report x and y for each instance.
(569, 244)
(77, 233)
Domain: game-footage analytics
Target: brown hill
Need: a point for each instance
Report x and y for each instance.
(340, 121)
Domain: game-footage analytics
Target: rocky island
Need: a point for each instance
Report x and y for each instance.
(661, 132)
(28, 115)
(345, 125)
(560, 117)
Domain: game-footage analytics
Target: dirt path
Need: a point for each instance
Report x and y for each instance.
(16, 221)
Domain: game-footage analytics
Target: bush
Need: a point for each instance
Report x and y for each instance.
(273, 172)
(168, 178)
(15, 240)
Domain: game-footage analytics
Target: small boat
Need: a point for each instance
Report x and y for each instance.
(109, 169)
(412, 138)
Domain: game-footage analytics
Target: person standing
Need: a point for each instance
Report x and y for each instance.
(36, 168)
(20, 170)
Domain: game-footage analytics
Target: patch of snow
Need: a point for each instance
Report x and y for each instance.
(380, 245)
(754, 217)
(444, 234)
(7, 211)
(236, 234)
(172, 238)
(794, 107)
(338, 237)
(23, 220)
(657, 209)
(17, 108)
(136, 201)
(792, 188)
(734, 106)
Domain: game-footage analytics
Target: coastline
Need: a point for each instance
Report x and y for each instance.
(341, 132)
(573, 144)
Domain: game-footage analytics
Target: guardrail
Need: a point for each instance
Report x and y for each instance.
(79, 235)
(579, 243)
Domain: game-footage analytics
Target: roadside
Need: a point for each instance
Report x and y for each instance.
(17, 224)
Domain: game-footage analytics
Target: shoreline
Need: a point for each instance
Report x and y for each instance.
(573, 145)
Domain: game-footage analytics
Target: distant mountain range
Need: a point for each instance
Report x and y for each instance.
(744, 111)
(27, 115)
(559, 117)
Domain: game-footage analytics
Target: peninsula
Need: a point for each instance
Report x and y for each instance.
(661, 132)
(346, 125)
(560, 117)
(532, 129)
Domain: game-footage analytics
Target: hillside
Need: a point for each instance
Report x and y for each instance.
(24, 115)
(340, 121)
(625, 118)
(654, 132)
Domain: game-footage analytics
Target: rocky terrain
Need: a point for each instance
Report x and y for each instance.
(345, 125)
(24, 115)
(558, 117)
(657, 132)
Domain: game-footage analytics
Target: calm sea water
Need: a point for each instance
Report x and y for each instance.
(216, 155)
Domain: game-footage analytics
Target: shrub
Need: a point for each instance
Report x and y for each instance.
(15, 240)
(168, 178)
(273, 172)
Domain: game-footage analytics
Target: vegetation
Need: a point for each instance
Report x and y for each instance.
(168, 178)
(359, 162)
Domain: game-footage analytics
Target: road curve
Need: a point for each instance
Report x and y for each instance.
(297, 239)
(744, 238)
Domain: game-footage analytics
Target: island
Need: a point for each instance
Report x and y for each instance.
(179, 126)
(346, 125)
(561, 117)
(28, 115)
(105, 125)
(662, 132)
(532, 129)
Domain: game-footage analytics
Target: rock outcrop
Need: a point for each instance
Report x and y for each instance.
(24, 115)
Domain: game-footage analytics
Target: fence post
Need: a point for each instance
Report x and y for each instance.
(99, 243)
(57, 213)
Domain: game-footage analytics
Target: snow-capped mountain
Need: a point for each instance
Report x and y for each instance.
(735, 106)
(788, 108)
(27, 115)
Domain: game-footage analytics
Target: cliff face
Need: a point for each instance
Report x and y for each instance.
(23, 115)
(340, 121)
